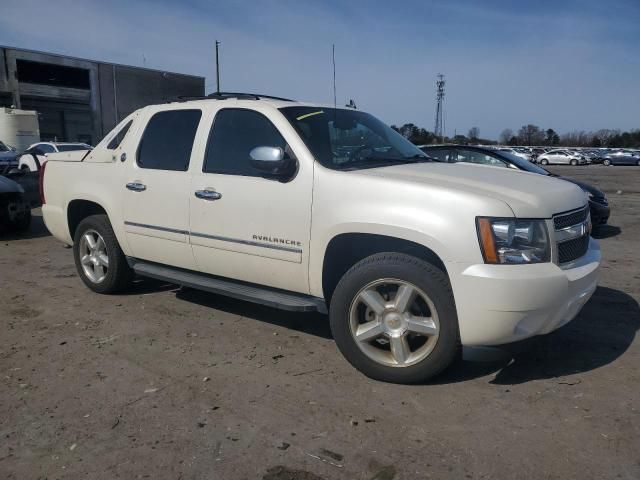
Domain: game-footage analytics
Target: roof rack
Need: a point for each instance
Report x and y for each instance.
(237, 95)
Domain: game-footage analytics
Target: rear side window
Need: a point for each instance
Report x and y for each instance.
(44, 148)
(117, 140)
(439, 154)
(168, 139)
(235, 132)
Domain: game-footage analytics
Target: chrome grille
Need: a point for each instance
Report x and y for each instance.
(568, 226)
(571, 218)
(573, 249)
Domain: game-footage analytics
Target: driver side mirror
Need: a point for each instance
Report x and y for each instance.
(272, 161)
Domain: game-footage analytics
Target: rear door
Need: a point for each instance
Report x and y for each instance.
(245, 226)
(157, 184)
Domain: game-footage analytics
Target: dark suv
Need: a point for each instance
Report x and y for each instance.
(598, 203)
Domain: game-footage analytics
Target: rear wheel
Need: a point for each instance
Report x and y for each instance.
(100, 262)
(393, 318)
(638, 163)
(606, 162)
(574, 162)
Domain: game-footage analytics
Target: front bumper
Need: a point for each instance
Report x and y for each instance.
(500, 304)
(599, 213)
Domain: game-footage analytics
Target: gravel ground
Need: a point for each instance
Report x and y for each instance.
(171, 383)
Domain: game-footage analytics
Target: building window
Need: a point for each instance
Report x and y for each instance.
(52, 74)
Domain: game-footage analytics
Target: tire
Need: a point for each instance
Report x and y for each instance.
(373, 357)
(638, 163)
(574, 162)
(606, 162)
(23, 224)
(544, 161)
(116, 274)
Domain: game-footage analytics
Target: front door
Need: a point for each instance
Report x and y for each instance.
(157, 186)
(243, 225)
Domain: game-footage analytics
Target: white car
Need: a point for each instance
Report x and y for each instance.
(562, 157)
(36, 154)
(309, 208)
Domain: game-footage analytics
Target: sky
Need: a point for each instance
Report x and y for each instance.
(566, 65)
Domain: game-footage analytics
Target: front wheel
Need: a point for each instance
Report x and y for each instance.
(638, 163)
(544, 161)
(100, 262)
(393, 317)
(574, 162)
(606, 162)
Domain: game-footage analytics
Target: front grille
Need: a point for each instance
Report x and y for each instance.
(573, 249)
(570, 219)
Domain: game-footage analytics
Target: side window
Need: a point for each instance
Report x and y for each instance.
(471, 156)
(235, 132)
(168, 139)
(117, 140)
(439, 154)
(45, 148)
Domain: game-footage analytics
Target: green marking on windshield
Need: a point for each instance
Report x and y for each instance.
(307, 115)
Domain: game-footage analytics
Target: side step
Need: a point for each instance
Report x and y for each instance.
(271, 297)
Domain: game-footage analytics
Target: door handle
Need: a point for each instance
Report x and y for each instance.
(208, 195)
(136, 186)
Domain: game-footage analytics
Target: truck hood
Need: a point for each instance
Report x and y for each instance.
(7, 156)
(529, 195)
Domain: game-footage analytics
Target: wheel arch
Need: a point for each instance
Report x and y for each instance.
(346, 249)
(78, 210)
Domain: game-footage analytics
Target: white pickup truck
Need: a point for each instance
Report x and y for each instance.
(311, 208)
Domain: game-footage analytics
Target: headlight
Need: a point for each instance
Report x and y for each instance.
(513, 241)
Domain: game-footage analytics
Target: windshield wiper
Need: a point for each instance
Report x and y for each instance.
(372, 162)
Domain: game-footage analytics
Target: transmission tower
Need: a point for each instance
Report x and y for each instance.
(439, 128)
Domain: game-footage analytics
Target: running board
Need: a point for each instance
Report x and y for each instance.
(271, 297)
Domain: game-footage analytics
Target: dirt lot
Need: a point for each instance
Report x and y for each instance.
(172, 383)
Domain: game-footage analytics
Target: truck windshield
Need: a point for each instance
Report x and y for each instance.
(343, 139)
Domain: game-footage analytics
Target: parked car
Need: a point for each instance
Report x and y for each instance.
(265, 204)
(7, 157)
(517, 152)
(15, 210)
(561, 157)
(598, 203)
(36, 154)
(621, 157)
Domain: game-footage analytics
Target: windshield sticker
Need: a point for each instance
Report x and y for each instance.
(307, 115)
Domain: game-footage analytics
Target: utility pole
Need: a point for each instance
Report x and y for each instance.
(217, 69)
(439, 128)
(333, 59)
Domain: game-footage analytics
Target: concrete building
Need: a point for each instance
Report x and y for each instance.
(81, 100)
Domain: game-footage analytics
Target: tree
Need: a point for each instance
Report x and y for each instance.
(474, 133)
(530, 135)
(505, 136)
(551, 137)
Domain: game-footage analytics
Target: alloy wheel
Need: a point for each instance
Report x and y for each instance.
(394, 323)
(94, 257)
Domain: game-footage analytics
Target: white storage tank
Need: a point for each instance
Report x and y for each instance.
(19, 128)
